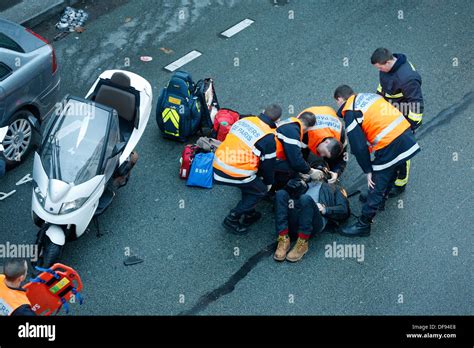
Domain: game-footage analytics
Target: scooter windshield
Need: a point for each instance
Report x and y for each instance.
(74, 148)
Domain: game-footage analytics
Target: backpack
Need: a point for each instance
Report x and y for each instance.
(206, 93)
(223, 121)
(178, 112)
(186, 160)
(201, 170)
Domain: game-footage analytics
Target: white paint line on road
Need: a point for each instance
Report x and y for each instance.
(183, 60)
(237, 28)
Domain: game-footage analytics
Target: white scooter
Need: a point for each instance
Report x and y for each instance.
(85, 146)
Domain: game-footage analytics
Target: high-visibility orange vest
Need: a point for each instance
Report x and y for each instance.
(381, 121)
(327, 125)
(237, 155)
(10, 299)
(280, 152)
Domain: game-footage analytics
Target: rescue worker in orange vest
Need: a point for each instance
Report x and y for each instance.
(327, 140)
(400, 84)
(289, 144)
(248, 153)
(373, 125)
(13, 300)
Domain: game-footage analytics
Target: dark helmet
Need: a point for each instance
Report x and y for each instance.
(296, 187)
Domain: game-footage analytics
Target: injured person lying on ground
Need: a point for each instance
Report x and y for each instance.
(303, 209)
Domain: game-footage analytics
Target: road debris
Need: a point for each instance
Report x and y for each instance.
(72, 20)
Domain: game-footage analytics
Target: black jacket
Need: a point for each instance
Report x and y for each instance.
(337, 205)
(267, 148)
(401, 86)
(289, 136)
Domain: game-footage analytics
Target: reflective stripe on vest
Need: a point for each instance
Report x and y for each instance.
(236, 156)
(10, 299)
(327, 125)
(280, 152)
(381, 121)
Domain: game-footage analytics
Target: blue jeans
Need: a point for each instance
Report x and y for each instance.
(300, 216)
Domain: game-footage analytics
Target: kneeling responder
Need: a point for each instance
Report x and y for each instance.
(289, 144)
(246, 154)
(400, 84)
(327, 139)
(306, 209)
(13, 300)
(371, 120)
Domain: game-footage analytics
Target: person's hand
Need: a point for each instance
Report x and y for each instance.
(334, 177)
(316, 174)
(269, 187)
(305, 177)
(370, 182)
(322, 208)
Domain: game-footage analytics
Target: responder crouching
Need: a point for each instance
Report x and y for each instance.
(246, 159)
(289, 145)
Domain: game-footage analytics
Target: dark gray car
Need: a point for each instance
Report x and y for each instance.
(29, 84)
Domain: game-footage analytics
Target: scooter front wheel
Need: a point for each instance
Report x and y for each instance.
(51, 253)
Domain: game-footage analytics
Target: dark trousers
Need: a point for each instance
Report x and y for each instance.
(252, 193)
(384, 181)
(300, 216)
(283, 173)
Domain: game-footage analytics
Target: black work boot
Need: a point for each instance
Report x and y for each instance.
(360, 229)
(251, 218)
(396, 191)
(233, 225)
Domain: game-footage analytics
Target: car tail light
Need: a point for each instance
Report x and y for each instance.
(54, 63)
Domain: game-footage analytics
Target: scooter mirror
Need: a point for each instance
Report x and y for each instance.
(118, 148)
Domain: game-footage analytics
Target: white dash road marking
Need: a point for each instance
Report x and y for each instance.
(237, 28)
(182, 61)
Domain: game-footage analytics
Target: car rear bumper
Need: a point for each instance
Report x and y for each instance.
(48, 99)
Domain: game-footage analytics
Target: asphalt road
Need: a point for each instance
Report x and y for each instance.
(294, 62)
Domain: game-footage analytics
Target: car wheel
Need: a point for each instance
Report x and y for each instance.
(19, 138)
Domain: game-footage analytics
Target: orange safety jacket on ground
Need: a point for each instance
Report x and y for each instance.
(237, 156)
(280, 152)
(381, 122)
(10, 299)
(327, 125)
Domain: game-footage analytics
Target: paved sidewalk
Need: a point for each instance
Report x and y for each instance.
(32, 12)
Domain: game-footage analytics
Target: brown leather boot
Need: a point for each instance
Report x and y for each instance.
(298, 251)
(282, 248)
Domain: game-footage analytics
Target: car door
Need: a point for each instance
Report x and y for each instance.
(5, 72)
